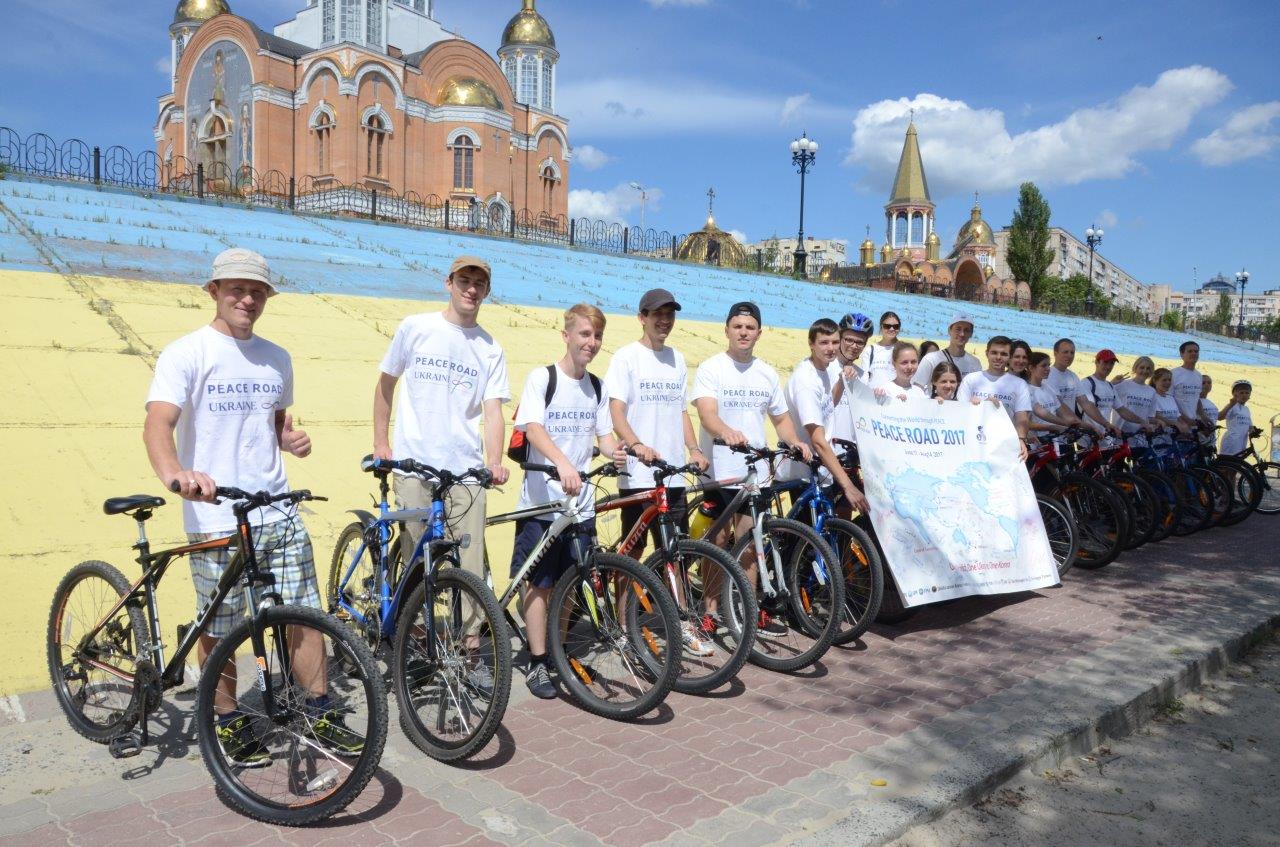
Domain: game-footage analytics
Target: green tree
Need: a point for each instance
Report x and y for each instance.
(1172, 320)
(1028, 254)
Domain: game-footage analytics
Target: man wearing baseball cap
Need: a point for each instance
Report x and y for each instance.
(1098, 390)
(217, 415)
(959, 331)
(455, 375)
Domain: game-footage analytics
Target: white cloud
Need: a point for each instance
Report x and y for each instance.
(613, 205)
(966, 148)
(613, 107)
(590, 158)
(1246, 134)
(793, 108)
(739, 235)
(1106, 219)
(163, 66)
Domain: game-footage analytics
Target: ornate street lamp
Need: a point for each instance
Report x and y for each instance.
(803, 154)
(1242, 277)
(643, 197)
(1093, 236)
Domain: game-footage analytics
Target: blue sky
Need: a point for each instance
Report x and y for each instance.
(1158, 121)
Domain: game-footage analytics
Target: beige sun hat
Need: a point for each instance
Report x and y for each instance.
(241, 263)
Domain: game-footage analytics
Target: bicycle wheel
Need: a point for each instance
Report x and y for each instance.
(863, 577)
(613, 634)
(1168, 503)
(452, 691)
(810, 602)
(1100, 519)
(1197, 503)
(1138, 494)
(308, 752)
(358, 591)
(1220, 492)
(1269, 476)
(93, 679)
(1246, 487)
(1060, 528)
(717, 608)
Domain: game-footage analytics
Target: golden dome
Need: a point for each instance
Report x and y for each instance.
(528, 27)
(199, 11)
(976, 230)
(933, 238)
(698, 247)
(867, 245)
(468, 91)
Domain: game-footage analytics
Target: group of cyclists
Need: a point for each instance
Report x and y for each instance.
(217, 415)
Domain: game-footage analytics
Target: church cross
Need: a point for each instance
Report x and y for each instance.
(711, 199)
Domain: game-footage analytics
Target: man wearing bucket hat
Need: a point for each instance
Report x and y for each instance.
(959, 331)
(217, 415)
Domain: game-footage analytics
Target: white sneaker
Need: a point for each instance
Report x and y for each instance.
(693, 645)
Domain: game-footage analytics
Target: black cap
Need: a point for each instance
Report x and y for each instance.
(746, 307)
(656, 298)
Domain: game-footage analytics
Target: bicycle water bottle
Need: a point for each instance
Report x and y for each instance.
(701, 520)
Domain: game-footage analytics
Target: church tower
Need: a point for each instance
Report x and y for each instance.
(909, 212)
(528, 58)
(187, 18)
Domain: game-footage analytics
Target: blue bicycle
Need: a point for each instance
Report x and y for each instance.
(856, 552)
(450, 661)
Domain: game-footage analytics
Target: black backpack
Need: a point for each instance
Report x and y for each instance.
(518, 446)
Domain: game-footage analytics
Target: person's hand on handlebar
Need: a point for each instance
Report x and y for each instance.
(734, 438)
(699, 459)
(383, 451)
(570, 479)
(192, 485)
(500, 473)
(644, 453)
(805, 451)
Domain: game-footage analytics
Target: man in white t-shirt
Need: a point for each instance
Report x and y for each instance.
(733, 391)
(959, 332)
(1187, 385)
(1066, 385)
(812, 409)
(560, 431)
(855, 331)
(997, 382)
(1102, 394)
(454, 375)
(217, 415)
(647, 381)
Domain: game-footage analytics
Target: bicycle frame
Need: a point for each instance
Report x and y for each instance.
(570, 516)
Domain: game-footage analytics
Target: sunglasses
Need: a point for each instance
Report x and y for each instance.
(891, 326)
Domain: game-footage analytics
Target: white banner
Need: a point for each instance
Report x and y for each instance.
(952, 505)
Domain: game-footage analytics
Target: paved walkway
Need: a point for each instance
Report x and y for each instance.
(938, 709)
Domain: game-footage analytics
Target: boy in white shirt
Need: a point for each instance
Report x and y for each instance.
(1188, 384)
(223, 392)
(732, 392)
(997, 382)
(855, 331)
(1209, 409)
(560, 432)
(1063, 382)
(1239, 421)
(958, 333)
(1098, 390)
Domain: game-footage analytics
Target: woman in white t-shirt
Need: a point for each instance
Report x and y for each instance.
(906, 360)
(876, 360)
(1134, 394)
(1045, 405)
(1164, 407)
(1019, 358)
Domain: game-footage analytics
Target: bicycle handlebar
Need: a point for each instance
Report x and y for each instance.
(664, 468)
(607, 469)
(257, 499)
(756, 454)
(381, 467)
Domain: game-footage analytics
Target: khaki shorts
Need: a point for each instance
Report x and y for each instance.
(464, 513)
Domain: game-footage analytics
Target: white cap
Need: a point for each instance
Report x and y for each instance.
(960, 317)
(240, 263)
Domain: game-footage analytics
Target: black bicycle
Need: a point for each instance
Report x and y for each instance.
(291, 711)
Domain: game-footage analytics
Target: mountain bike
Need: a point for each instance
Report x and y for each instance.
(613, 631)
(716, 603)
(1100, 516)
(1268, 475)
(1243, 478)
(1105, 460)
(450, 662)
(290, 710)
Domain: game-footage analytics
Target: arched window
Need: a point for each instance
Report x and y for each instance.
(373, 23)
(324, 133)
(349, 21)
(529, 80)
(215, 147)
(375, 140)
(549, 181)
(917, 228)
(464, 164)
(546, 84)
(328, 28)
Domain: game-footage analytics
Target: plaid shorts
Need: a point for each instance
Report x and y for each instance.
(284, 550)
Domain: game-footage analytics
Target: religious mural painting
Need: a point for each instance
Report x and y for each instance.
(219, 109)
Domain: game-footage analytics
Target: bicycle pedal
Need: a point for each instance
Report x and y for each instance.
(125, 746)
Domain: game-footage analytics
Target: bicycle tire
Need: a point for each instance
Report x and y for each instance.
(863, 577)
(1099, 519)
(1269, 501)
(355, 655)
(648, 659)
(1141, 497)
(1219, 489)
(736, 603)
(810, 636)
(456, 688)
(1196, 504)
(1168, 501)
(1247, 487)
(127, 640)
(1060, 529)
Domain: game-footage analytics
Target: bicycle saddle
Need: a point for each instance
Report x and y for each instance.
(116, 505)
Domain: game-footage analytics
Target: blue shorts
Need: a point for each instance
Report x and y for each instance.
(559, 558)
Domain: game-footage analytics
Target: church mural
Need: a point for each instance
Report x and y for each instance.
(219, 106)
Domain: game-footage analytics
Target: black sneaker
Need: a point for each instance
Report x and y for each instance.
(770, 627)
(539, 681)
(334, 735)
(241, 744)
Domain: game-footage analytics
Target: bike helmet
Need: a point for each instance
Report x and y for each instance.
(857, 322)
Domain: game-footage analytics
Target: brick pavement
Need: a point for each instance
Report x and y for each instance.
(938, 707)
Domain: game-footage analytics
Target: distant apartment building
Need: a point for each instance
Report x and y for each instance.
(778, 254)
(1203, 302)
(1071, 257)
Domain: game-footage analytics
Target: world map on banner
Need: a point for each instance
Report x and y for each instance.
(952, 505)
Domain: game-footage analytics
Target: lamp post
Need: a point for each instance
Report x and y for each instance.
(1093, 236)
(1243, 278)
(643, 197)
(803, 154)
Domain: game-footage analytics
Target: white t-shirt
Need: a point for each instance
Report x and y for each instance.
(1185, 391)
(1103, 395)
(1012, 391)
(653, 384)
(1210, 412)
(744, 394)
(1044, 397)
(573, 420)
(877, 364)
(894, 393)
(808, 396)
(1066, 385)
(228, 392)
(1165, 407)
(1137, 398)
(967, 364)
(1239, 419)
(842, 419)
(449, 372)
